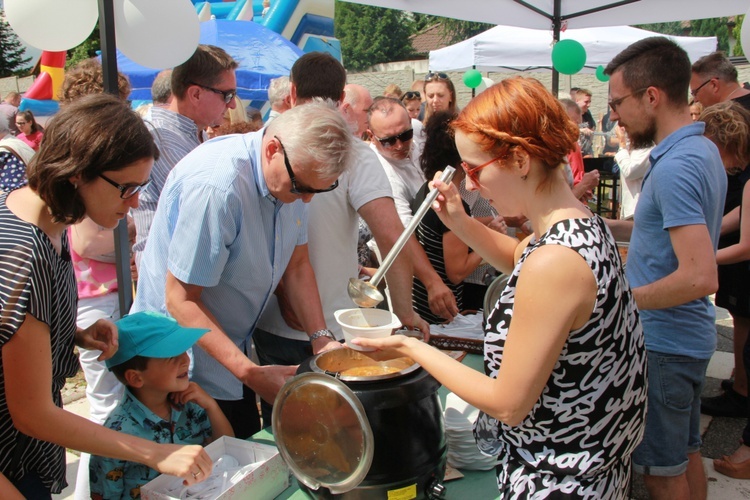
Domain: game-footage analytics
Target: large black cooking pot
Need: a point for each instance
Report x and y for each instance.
(362, 437)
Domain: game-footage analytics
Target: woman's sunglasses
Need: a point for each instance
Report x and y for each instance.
(412, 94)
(436, 76)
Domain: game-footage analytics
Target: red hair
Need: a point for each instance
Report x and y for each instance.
(519, 112)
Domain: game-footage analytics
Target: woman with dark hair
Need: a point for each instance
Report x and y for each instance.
(97, 159)
(452, 260)
(440, 94)
(30, 131)
(563, 401)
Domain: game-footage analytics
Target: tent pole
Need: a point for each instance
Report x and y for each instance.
(556, 24)
(109, 76)
(474, 89)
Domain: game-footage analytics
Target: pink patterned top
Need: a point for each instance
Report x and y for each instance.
(94, 278)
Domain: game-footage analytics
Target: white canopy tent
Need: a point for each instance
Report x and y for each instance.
(544, 14)
(560, 15)
(521, 49)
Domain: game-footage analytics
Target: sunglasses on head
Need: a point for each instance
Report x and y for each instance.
(412, 94)
(389, 142)
(436, 76)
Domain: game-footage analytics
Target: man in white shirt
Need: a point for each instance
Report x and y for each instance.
(392, 138)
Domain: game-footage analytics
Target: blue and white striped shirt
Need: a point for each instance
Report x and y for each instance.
(175, 136)
(217, 226)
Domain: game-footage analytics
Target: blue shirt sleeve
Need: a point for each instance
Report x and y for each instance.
(204, 229)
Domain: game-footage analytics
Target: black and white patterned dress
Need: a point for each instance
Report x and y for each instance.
(577, 440)
(35, 280)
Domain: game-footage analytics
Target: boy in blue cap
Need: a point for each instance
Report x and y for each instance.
(160, 402)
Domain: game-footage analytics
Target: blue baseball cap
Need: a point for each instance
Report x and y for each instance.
(152, 335)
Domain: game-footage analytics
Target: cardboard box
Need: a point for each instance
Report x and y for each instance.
(265, 481)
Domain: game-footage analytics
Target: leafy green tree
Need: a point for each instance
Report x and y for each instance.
(716, 26)
(84, 51)
(456, 30)
(371, 35)
(12, 60)
(738, 49)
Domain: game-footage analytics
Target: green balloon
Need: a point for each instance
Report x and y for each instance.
(472, 78)
(600, 74)
(568, 57)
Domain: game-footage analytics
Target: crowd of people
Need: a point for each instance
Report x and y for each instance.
(244, 235)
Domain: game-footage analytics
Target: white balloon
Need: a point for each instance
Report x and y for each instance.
(745, 34)
(52, 25)
(156, 33)
(486, 83)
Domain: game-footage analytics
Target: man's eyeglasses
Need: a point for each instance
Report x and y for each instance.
(473, 172)
(228, 95)
(614, 103)
(695, 92)
(436, 76)
(389, 142)
(127, 190)
(412, 94)
(296, 188)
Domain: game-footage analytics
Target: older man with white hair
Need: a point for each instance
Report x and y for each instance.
(230, 225)
(278, 97)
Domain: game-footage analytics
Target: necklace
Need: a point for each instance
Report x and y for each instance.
(733, 92)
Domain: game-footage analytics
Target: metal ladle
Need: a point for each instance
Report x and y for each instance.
(365, 293)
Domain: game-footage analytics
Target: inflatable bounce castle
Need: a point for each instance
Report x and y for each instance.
(308, 24)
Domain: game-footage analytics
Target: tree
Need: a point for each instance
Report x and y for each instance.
(12, 60)
(716, 26)
(86, 50)
(371, 35)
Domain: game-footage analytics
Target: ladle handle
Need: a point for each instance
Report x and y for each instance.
(401, 241)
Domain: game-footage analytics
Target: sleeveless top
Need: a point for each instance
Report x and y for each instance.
(578, 437)
(35, 280)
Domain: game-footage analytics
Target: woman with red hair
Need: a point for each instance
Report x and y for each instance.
(563, 400)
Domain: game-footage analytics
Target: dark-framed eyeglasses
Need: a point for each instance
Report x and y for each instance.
(695, 92)
(389, 142)
(412, 94)
(127, 190)
(228, 95)
(473, 172)
(436, 76)
(614, 103)
(296, 188)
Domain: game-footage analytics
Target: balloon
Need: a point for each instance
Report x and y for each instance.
(745, 34)
(568, 57)
(53, 25)
(156, 33)
(486, 83)
(472, 78)
(600, 74)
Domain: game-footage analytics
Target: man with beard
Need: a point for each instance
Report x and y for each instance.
(671, 262)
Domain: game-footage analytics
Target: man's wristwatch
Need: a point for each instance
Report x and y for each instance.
(322, 333)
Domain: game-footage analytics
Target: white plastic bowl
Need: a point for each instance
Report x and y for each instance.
(368, 323)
